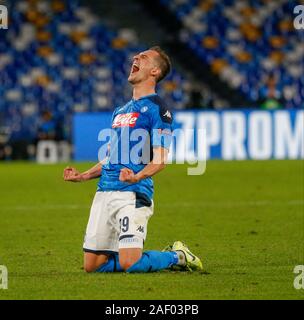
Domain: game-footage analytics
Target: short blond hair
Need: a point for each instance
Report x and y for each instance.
(163, 61)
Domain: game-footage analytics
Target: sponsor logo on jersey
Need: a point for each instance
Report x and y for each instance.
(125, 120)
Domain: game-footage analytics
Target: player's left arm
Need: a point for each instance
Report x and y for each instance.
(160, 156)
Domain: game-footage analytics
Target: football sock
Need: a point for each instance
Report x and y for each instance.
(154, 261)
(112, 265)
(181, 258)
(149, 262)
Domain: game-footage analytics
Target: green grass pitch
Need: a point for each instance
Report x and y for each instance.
(244, 219)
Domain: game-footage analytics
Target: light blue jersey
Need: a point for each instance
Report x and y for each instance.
(130, 147)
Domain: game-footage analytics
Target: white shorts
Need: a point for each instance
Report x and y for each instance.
(117, 220)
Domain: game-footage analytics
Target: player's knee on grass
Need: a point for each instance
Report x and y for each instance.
(128, 257)
(89, 267)
(93, 261)
(126, 264)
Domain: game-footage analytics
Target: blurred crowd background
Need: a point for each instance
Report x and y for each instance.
(58, 58)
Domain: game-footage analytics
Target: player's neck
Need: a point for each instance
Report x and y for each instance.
(142, 89)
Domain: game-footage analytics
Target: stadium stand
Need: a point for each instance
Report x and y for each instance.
(251, 45)
(120, 14)
(57, 57)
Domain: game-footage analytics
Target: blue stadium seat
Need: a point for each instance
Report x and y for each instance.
(66, 61)
(253, 40)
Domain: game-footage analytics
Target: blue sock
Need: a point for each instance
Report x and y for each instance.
(154, 261)
(111, 266)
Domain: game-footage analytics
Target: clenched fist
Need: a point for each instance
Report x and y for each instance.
(72, 175)
(127, 175)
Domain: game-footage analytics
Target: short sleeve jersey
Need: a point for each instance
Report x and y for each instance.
(137, 128)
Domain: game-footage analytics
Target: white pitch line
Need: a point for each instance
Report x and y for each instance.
(45, 207)
(261, 203)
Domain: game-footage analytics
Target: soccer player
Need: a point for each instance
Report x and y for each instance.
(123, 204)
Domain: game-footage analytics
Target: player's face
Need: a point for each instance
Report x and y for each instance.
(144, 66)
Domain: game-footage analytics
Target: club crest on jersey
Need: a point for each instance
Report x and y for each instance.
(125, 120)
(144, 109)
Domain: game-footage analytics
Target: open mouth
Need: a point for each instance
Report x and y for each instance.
(135, 68)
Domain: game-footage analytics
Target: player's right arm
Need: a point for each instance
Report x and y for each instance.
(73, 175)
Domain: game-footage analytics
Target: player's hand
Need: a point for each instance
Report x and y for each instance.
(72, 175)
(127, 175)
